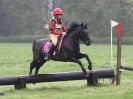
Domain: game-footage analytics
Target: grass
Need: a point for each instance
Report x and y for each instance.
(15, 59)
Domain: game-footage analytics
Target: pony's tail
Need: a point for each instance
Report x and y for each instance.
(33, 47)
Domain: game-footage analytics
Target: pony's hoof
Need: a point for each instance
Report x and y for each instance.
(89, 68)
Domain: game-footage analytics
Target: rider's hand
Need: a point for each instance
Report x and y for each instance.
(63, 33)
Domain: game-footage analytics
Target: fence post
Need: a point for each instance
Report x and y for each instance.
(118, 72)
(21, 84)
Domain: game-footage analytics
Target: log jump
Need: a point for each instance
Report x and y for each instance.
(127, 67)
(20, 81)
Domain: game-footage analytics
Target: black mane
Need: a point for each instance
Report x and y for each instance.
(73, 26)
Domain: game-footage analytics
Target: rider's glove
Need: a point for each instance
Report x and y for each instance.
(63, 33)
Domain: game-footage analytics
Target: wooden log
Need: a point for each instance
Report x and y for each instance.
(127, 68)
(65, 76)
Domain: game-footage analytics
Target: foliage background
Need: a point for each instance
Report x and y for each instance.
(28, 17)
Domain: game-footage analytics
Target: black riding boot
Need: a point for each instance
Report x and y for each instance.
(52, 49)
(50, 53)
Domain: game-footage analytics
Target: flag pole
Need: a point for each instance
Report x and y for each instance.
(111, 49)
(113, 24)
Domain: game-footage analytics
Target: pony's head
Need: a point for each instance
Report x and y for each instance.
(84, 34)
(81, 30)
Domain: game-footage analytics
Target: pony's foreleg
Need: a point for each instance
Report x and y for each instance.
(80, 55)
(40, 63)
(80, 63)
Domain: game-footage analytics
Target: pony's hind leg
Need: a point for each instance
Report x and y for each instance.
(32, 66)
(40, 63)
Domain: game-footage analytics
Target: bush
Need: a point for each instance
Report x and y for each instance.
(21, 39)
(106, 40)
(32, 38)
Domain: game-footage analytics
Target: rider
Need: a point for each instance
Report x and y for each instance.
(56, 30)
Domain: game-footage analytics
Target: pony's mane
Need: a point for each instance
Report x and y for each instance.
(73, 26)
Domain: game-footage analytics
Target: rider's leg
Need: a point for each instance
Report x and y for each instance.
(52, 48)
(50, 53)
(57, 43)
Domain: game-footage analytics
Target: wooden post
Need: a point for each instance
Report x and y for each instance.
(21, 84)
(119, 34)
(92, 80)
(118, 72)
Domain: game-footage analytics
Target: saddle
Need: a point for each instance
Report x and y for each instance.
(48, 44)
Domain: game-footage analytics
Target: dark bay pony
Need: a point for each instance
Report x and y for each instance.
(70, 50)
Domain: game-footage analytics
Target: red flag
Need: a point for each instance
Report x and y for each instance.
(119, 27)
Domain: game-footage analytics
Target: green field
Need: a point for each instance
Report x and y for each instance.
(16, 57)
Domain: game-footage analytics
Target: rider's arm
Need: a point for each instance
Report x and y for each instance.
(53, 26)
(64, 28)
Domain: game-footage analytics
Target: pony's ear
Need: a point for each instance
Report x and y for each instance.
(82, 25)
(86, 26)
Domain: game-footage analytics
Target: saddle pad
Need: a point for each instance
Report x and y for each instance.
(47, 46)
